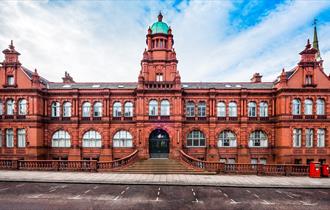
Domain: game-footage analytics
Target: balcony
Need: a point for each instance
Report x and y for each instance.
(297, 117)
(153, 117)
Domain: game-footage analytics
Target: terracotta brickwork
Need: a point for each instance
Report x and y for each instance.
(270, 121)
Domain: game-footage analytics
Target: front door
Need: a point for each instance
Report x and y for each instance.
(159, 144)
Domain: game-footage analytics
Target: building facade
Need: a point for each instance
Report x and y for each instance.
(285, 121)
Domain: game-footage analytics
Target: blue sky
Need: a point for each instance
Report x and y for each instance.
(215, 40)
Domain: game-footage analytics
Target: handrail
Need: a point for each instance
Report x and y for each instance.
(117, 164)
(212, 166)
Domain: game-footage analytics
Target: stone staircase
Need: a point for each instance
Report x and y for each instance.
(161, 166)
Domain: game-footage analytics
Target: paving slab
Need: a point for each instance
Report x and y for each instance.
(165, 179)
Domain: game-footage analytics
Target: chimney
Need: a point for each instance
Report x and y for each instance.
(256, 78)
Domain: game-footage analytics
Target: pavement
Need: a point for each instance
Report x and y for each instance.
(165, 179)
(62, 196)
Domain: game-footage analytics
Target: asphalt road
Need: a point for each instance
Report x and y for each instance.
(36, 196)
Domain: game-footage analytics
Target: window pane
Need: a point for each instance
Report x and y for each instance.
(122, 139)
(221, 109)
(296, 107)
(165, 108)
(153, 108)
(308, 107)
(232, 109)
(67, 109)
(321, 137)
(86, 109)
(320, 107)
(22, 107)
(190, 109)
(128, 109)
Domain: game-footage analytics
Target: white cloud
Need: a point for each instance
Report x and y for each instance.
(104, 41)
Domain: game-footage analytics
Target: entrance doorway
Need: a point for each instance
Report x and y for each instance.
(159, 146)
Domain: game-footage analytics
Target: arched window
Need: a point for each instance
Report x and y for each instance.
(92, 139)
(10, 107)
(190, 109)
(153, 108)
(97, 109)
(122, 139)
(22, 107)
(67, 109)
(296, 106)
(117, 109)
(9, 137)
(196, 139)
(232, 111)
(165, 108)
(56, 109)
(1, 108)
(308, 107)
(128, 109)
(201, 109)
(320, 107)
(61, 138)
(263, 109)
(252, 109)
(258, 139)
(221, 109)
(227, 139)
(86, 109)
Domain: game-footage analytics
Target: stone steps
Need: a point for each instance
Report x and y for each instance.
(161, 166)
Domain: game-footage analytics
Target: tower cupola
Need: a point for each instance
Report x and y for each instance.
(159, 63)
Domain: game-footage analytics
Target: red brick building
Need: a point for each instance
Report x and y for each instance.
(285, 121)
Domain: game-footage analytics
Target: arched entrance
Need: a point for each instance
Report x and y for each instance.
(159, 145)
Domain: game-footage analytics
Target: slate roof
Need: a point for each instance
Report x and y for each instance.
(30, 73)
(227, 85)
(185, 85)
(90, 85)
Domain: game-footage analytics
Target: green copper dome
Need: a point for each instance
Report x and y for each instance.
(159, 27)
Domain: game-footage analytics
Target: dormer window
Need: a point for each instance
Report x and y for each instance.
(159, 77)
(10, 80)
